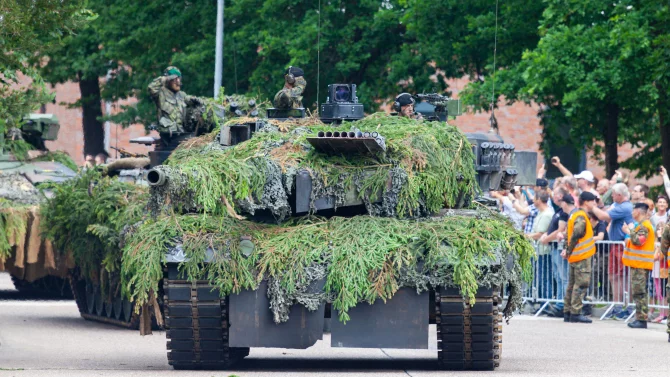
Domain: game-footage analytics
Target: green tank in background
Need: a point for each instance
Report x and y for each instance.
(379, 226)
(26, 170)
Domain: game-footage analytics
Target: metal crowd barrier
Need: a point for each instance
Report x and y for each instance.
(610, 280)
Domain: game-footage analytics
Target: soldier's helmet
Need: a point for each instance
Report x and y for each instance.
(172, 71)
(292, 73)
(403, 99)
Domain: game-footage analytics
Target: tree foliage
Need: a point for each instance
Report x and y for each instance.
(26, 28)
(596, 70)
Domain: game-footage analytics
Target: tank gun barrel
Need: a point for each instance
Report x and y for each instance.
(156, 177)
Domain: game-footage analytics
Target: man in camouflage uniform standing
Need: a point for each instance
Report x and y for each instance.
(171, 103)
(290, 96)
(639, 257)
(579, 253)
(664, 252)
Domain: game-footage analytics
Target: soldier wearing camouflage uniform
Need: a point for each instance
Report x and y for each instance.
(579, 253)
(665, 252)
(639, 256)
(171, 102)
(290, 96)
(404, 106)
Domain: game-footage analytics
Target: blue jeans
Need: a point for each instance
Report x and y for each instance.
(545, 277)
(560, 270)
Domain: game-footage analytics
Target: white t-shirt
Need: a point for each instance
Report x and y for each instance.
(509, 211)
(656, 218)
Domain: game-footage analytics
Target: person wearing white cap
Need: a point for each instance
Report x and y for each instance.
(587, 183)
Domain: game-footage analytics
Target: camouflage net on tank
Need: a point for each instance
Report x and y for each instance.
(17, 197)
(361, 258)
(13, 225)
(212, 190)
(428, 165)
(85, 217)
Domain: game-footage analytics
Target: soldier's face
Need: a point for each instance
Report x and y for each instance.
(175, 85)
(407, 110)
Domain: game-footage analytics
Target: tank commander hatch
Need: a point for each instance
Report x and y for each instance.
(290, 96)
(171, 103)
(403, 105)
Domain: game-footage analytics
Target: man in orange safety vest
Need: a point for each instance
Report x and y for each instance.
(579, 253)
(639, 257)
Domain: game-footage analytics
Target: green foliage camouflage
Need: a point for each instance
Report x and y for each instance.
(13, 226)
(86, 217)
(361, 258)
(430, 165)
(59, 156)
(427, 167)
(20, 148)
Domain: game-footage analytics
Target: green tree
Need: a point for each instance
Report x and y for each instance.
(80, 58)
(357, 41)
(597, 69)
(27, 27)
(588, 60)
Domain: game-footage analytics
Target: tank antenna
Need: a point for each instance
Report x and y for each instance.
(494, 122)
(318, 59)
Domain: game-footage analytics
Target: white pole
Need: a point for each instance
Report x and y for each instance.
(108, 111)
(218, 67)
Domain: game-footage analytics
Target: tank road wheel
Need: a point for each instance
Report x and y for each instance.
(116, 311)
(99, 303)
(117, 305)
(90, 298)
(196, 324)
(127, 308)
(468, 336)
(78, 292)
(109, 309)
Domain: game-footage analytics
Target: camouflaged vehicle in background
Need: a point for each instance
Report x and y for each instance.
(215, 311)
(32, 262)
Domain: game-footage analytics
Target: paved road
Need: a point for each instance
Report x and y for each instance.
(48, 338)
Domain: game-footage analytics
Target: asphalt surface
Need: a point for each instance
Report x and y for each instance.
(48, 338)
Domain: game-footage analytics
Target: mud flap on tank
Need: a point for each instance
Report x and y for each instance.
(401, 322)
(251, 323)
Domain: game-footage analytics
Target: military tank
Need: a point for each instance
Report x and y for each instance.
(26, 170)
(268, 228)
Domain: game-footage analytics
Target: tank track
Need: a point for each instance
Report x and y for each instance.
(50, 286)
(196, 324)
(469, 337)
(121, 315)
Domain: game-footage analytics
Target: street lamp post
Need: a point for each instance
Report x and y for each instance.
(218, 66)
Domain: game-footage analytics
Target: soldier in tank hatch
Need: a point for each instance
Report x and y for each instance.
(290, 96)
(403, 104)
(171, 103)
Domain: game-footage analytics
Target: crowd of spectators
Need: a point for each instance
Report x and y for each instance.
(542, 213)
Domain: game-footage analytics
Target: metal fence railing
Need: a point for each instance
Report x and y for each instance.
(610, 280)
